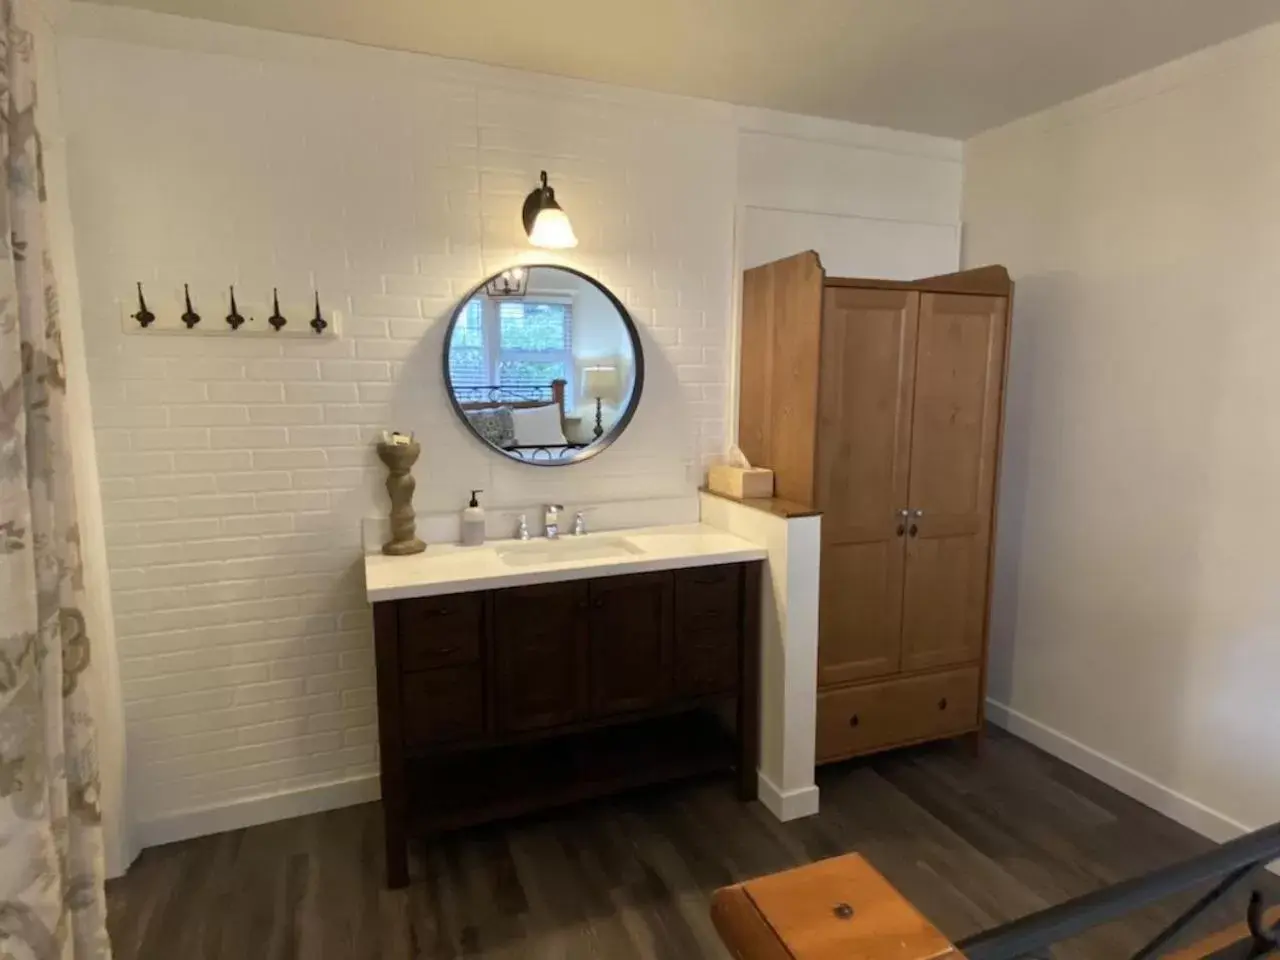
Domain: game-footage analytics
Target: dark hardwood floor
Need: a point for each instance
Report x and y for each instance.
(972, 842)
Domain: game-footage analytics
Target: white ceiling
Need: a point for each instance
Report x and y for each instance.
(947, 67)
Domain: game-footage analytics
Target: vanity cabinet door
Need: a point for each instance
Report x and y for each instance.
(540, 655)
(630, 642)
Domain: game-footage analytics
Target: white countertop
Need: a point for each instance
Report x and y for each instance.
(448, 568)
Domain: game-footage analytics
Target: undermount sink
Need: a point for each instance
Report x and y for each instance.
(567, 550)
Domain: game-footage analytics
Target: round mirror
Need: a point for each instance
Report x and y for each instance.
(543, 364)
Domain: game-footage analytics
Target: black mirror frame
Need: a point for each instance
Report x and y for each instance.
(602, 443)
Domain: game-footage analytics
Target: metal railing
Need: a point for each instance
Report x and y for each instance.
(1229, 864)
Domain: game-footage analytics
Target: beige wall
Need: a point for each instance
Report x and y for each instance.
(1137, 606)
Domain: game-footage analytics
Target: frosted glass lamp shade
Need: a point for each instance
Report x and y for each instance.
(546, 224)
(552, 230)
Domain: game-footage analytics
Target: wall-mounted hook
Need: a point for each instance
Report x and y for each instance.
(234, 320)
(144, 316)
(318, 322)
(276, 319)
(189, 317)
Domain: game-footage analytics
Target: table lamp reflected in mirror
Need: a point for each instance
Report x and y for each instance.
(600, 382)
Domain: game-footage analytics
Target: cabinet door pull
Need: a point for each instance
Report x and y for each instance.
(444, 651)
(942, 704)
(914, 530)
(708, 578)
(853, 721)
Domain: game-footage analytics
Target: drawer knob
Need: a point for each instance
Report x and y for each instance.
(853, 721)
(843, 911)
(942, 704)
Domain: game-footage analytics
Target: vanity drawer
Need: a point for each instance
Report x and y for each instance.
(708, 598)
(706, 661)
(873, 716)
(440, 631)
(442, 705)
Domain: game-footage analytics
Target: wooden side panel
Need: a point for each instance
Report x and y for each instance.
(864, 437)
(745, 933)
(395, 792)
(954, 449)
(777, 411)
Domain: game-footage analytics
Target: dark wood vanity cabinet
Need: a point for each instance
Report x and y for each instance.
(503, 701)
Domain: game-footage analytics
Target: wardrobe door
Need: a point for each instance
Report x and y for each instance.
(864, 432)
(954, 445)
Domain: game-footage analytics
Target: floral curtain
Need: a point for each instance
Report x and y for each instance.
(52, 905)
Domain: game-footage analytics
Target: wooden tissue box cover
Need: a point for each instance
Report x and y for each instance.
(741, 483)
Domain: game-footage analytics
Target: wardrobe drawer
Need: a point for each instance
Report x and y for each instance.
(442, 705)
(439, 631)
(708, 598)
(873, 716)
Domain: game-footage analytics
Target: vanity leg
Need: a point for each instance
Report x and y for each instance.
(395, 797)
(397, 847)
(749, 684)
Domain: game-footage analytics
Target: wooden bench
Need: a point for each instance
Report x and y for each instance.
(843, 909)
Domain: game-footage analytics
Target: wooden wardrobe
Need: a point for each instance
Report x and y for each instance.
(880, 404)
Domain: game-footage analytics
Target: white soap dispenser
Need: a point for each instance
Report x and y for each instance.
(473, 522)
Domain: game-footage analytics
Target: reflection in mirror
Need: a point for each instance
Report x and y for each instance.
(543, 364)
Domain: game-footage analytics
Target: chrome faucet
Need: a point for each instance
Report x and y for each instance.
(579, 524)
(551, 519)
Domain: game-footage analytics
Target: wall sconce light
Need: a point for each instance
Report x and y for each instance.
(546, 224)
(509, 283)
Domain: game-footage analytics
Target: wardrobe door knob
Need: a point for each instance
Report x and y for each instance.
(853, 721)
(942, 704)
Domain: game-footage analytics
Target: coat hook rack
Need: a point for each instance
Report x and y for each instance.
(234, 320)
(189, 317)
(276, 319)
(318, 322)
(144, 316)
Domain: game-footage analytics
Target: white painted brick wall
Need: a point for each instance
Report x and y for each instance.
(235, 471)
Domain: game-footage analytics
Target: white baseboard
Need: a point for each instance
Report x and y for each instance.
(255, 810)
(1174, 805)
(789, 804)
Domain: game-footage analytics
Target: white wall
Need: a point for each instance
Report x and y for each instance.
(872, 202)
(1137, 606)
(235, 471)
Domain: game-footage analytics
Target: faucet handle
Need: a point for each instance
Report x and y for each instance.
(552, 511)
(522, 528)
(579, 524)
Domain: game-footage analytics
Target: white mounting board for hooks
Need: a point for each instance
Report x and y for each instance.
(169, 307)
